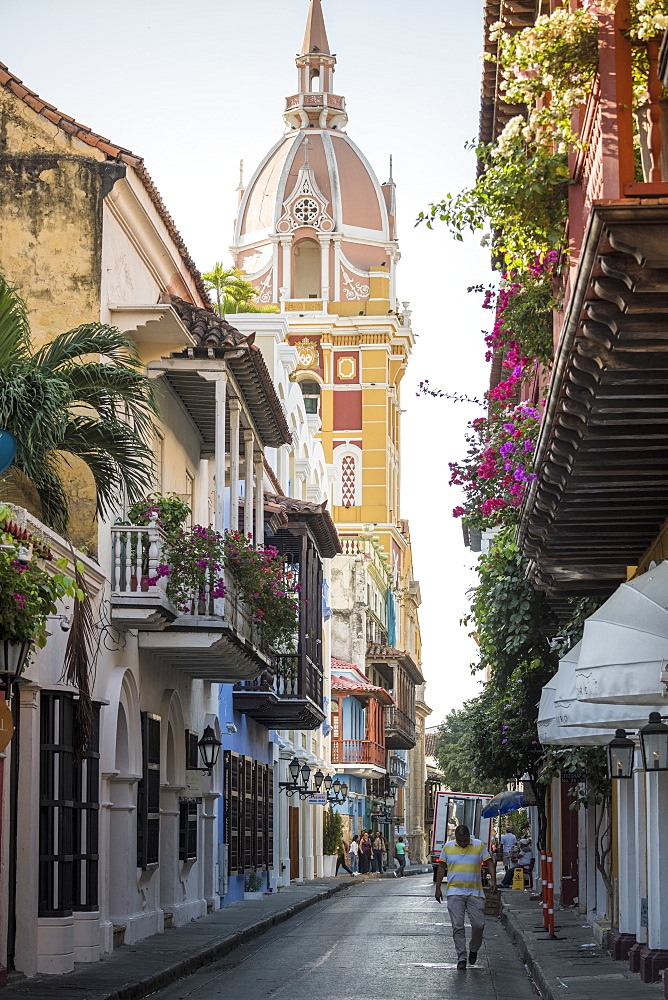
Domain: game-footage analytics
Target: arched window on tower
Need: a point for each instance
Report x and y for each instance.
(311, 393)
(348, 461)
(306, 265)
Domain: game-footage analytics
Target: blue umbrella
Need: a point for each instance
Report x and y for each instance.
(504, 802)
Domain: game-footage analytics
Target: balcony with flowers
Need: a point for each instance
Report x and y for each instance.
(204, 601)
(288, 694)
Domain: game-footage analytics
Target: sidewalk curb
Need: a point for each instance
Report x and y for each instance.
(181, 967)
(186, 967)
(516, 935)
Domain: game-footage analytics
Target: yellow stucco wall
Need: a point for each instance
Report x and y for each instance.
(51, 191)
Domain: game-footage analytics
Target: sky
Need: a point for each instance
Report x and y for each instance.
(193, 88)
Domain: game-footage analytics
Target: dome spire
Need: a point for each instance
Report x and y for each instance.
(316, 105)
(315, 36)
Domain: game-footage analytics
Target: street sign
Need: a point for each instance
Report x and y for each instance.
(317, 799)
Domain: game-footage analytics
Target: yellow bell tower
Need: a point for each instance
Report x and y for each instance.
(316, 235)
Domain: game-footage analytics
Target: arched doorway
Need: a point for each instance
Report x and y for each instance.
(307, 270)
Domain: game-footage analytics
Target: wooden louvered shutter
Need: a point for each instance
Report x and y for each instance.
(259, 819)
(192, 750)
(269, 815)
(148, 794)
(232, 799)
(247, 810)
(188, 831)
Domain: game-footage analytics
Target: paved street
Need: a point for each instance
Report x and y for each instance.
(385, 940)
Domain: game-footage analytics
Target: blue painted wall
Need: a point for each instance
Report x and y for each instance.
(252, 740)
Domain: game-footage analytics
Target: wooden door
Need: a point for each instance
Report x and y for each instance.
(294, 841)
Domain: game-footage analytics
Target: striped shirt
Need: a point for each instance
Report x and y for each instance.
(464, 875)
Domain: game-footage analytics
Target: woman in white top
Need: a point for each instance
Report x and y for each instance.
(354, 851)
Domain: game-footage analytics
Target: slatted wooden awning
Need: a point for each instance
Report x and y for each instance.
(601, 493)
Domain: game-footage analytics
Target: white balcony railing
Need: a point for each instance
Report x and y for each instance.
(136, 554)
(135, 557)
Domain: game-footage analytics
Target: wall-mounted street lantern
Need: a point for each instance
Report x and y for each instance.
(13, 658)
(654, 743)
(209, 749)
(294, 786)
(340, 790)
(301, 788)
(619, 755)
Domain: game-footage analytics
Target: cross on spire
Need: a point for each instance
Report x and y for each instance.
(306, 146)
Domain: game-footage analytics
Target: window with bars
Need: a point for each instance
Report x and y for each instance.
(68, 810)
(249, 813)
(148, 795)
(188, 831)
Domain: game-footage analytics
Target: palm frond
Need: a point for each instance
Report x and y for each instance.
(79, 662)
(14, 327)
(117, 457)
(82, 341)
(113, 391)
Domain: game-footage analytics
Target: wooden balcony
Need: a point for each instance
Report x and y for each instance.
(397, 768)
(399, 729)
(358, 752)
(287, 695)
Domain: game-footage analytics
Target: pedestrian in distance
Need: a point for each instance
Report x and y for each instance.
(341, 858)
(463, 858)
(401, 853)
(508, 842)
(365, 854)
(378, 848)
(524, 863)
(354, 853)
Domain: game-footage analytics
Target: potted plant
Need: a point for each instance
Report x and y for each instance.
(166, 511)
(28, 595)
(252, 885)
(332, 829)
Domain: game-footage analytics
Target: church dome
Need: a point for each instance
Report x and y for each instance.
(351, 199)
(314, 222)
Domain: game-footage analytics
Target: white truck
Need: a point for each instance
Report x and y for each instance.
(453, 809)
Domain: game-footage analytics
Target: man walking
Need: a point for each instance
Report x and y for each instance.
(463, 858)
(508, 841)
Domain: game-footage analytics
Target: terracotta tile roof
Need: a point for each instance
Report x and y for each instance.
(342, 665)
(430, 744)
(207, 327)
(376, 651)
(112, 152)
(214, 336)
(347, 684)
(316, 516)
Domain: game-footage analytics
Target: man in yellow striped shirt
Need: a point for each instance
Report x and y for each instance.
(463, 858)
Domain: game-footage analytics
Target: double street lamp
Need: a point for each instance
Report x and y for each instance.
(653, 744)
(295, 786)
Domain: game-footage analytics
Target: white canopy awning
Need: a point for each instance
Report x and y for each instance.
(624, 649)
(551, 733)
(570, 711)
